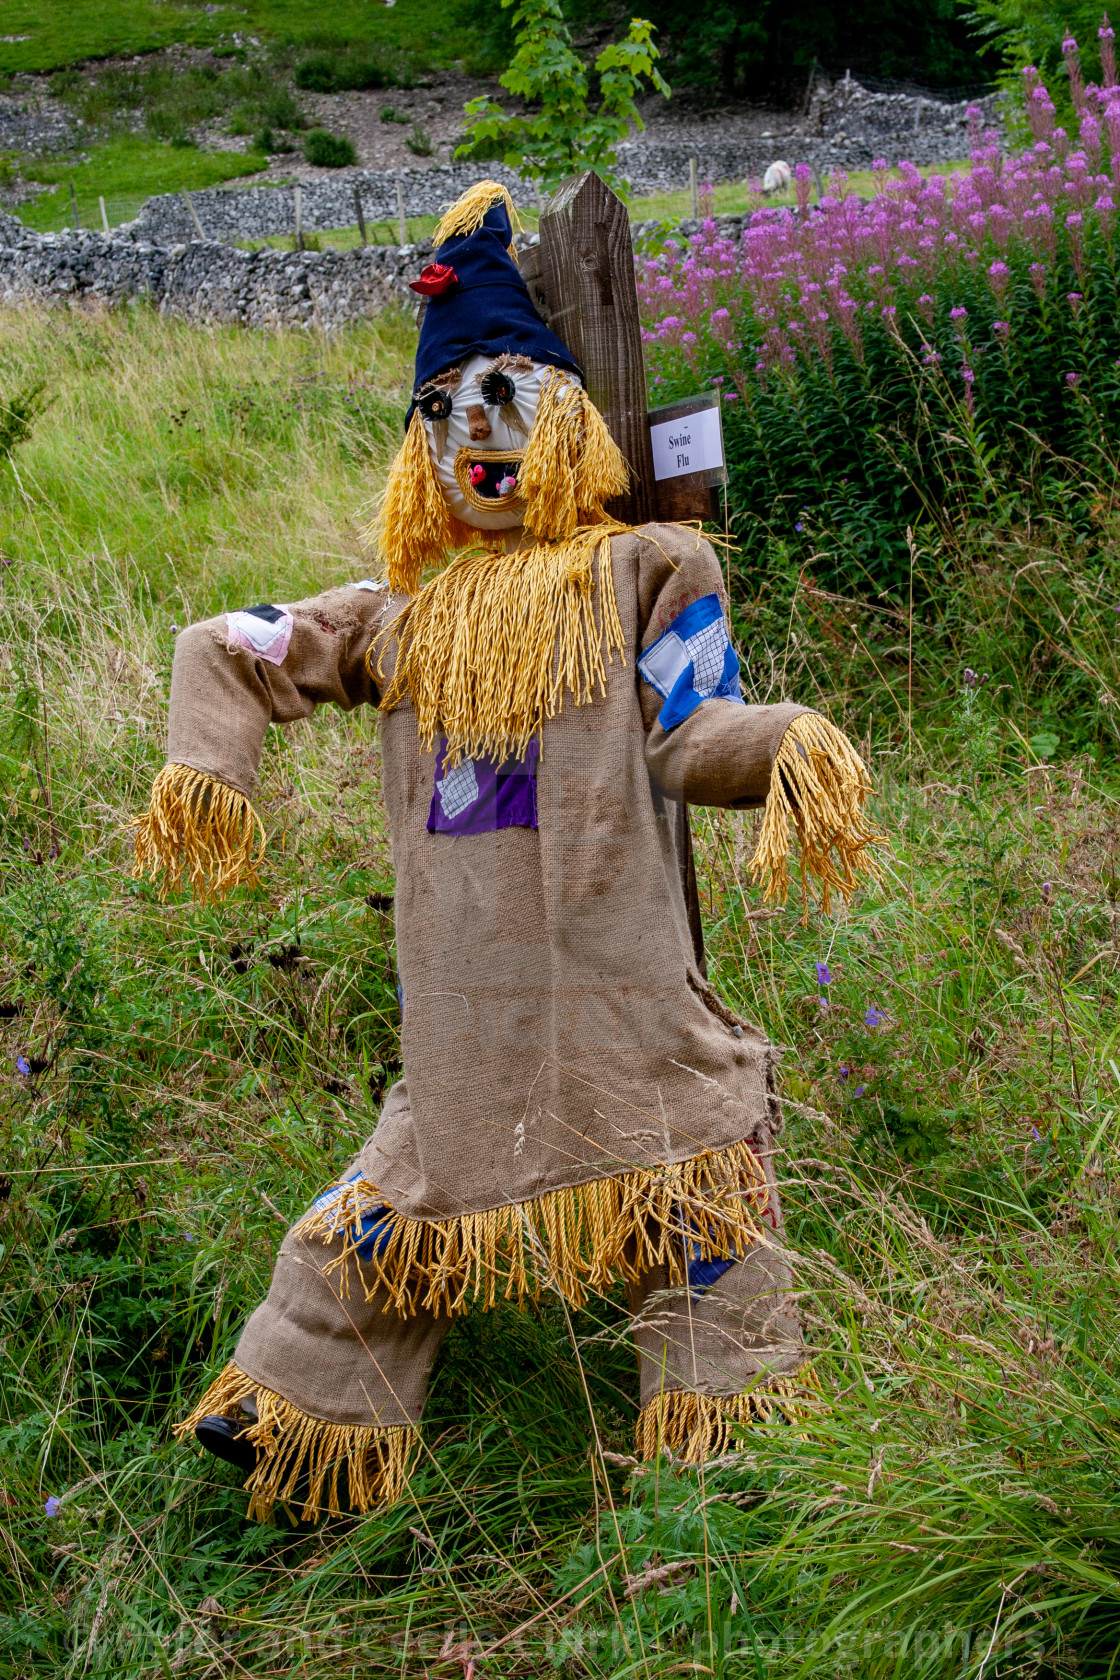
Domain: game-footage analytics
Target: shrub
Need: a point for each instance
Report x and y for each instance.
(950, 348)
(329, 151)
(419, 141)
(334, 72)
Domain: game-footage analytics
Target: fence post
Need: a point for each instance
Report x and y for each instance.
(74, 207)
(402, 230)
(298, 193)
(104, 217)
(693, 189)
(360, 216)
(189, 202)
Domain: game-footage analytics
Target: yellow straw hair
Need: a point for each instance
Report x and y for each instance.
(413, 528)
(572, 465)
(298, 1453)
(575, 1241)
(197, 826)
(466, 215)
(820, 783)
(694, 1427)
(487, 649)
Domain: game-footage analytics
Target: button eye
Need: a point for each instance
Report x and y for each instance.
(434, 404)
(497, 388)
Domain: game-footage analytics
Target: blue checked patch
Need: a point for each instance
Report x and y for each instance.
(692, 661)
(372, 1228)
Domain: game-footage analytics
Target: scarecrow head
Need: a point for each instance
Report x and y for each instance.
(500, 433)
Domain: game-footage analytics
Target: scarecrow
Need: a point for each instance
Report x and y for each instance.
(577, 1107)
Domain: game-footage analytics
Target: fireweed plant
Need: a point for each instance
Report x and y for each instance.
(949, 349)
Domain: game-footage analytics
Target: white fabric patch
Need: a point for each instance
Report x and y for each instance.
(665, 662)
(458, 789)
(267, 638)
(367, 583)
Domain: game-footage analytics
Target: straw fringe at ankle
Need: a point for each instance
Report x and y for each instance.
(695, 1427)
(199, 827)
(297, 1448)
(820, 783)
(575, 1241)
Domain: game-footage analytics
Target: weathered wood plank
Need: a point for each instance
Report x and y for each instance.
(587, 276)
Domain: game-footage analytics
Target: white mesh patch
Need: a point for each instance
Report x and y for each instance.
(458, 789)
(706, 649)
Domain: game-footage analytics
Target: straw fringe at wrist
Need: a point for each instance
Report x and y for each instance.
(197, 826)
(820, 783)
(576, 1241)
(695, 1427)
(303, 1456)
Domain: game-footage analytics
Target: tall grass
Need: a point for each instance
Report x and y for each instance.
(176, 1081)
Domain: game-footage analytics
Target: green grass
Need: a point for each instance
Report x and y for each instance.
(950, 1175)
(62, 32)
(126, 171)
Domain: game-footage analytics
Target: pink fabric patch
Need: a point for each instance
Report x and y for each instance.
(265, 632)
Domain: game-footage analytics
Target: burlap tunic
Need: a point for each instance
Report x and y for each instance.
(556, 1027)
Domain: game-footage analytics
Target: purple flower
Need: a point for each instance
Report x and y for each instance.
(1073, 380)
(958, 313)
(189, 1236)
(824, 978)
(53, 1506)
(844, 1072)
(799, 526)
(874, 1017)
(23, 1066)
(1047, 888)
(1036, 1134)
(859, 1090)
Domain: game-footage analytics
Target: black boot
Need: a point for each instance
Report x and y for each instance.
(222, 1437)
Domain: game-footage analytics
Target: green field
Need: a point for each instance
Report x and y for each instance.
(62, 32)
(951, 1171)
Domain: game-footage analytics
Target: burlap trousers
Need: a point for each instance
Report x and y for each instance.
(339, 1376)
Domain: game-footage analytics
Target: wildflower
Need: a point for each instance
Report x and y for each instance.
(874, 1017)
(1001, 329)
(23, 1066)
(967, 374)
(824, 978)
(189, 1236)
(958, 313)
(844, 1072)
(1047, 889)
(859, 1090)
(1036, 1134)
(1073, 380)
(52, 1506)
(799, 526)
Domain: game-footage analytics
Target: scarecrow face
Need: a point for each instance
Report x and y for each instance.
(478, 419)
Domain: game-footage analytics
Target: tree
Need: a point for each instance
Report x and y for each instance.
(562, 135)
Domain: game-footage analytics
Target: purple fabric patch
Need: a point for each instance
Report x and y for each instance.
(479, 796)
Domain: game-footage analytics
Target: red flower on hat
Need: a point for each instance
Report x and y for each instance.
(435, 279)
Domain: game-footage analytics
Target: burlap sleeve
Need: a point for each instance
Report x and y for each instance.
(223, 697)
(723, 753)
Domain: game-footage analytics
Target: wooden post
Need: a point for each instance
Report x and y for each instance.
(298, 195)
(360, 216)
(587, 277)
(74, 207)
(402, 227)
(189, 202)
(104, 217)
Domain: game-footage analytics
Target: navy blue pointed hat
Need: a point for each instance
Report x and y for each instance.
(478, 304)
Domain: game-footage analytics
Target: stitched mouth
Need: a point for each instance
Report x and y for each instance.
(489, 478)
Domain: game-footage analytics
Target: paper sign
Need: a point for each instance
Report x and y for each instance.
(692, 444)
